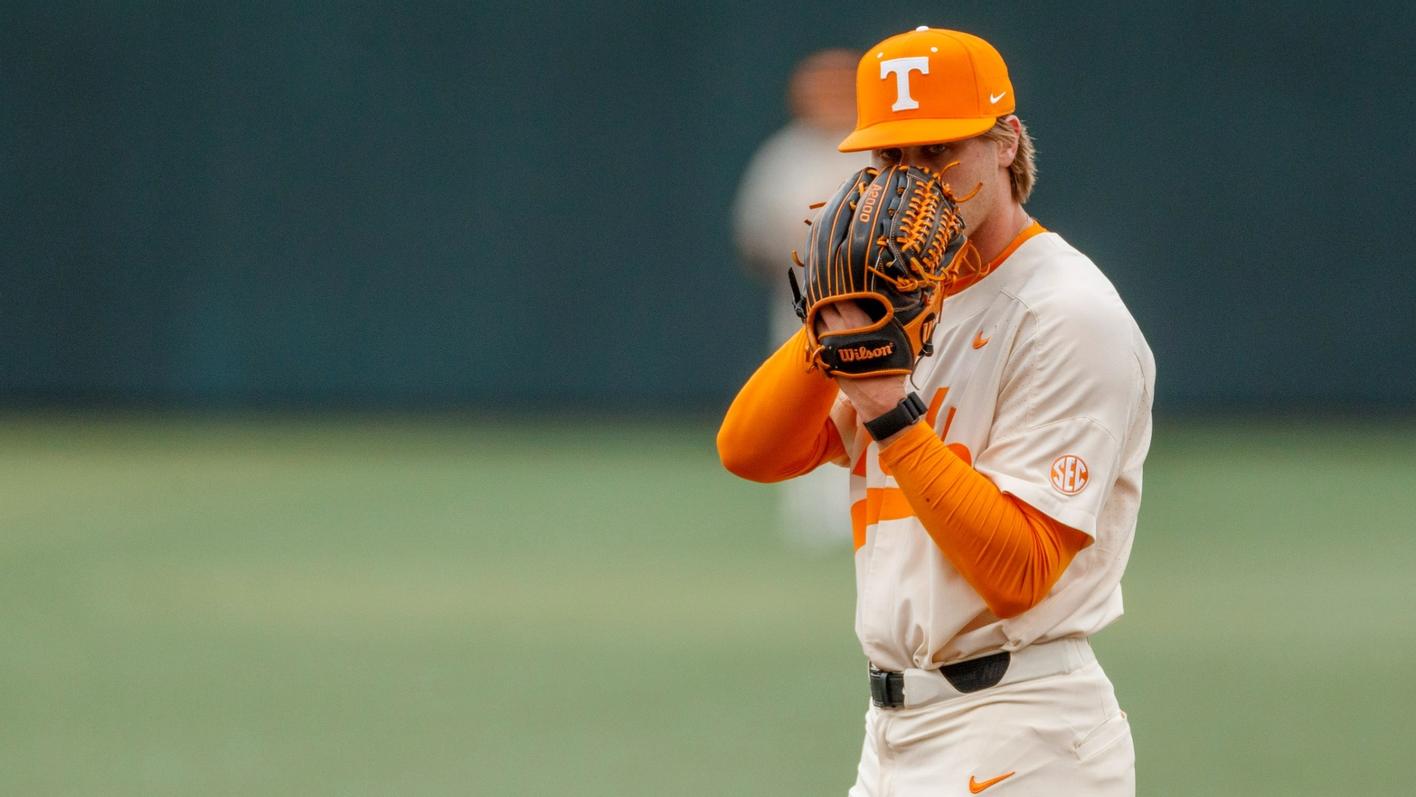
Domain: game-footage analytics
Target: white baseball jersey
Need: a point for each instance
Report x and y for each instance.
(1041, 379)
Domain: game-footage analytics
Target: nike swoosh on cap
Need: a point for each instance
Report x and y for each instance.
(994, 98)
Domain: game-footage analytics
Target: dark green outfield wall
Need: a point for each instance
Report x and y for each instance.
(359, 203)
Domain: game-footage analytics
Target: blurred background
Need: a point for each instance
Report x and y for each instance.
(360, 364)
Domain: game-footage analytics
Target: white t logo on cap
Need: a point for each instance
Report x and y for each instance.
(902, 67)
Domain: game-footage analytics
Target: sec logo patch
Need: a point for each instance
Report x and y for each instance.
(1069, 474)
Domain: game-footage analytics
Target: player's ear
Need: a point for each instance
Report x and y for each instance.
(1008, 145)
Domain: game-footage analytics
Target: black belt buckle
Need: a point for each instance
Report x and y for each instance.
(976, 674)
(887, 689)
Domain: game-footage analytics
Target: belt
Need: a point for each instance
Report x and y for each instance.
(916, 687)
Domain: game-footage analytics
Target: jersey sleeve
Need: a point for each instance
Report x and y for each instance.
(1072, 389)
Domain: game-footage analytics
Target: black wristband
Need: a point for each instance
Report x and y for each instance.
(910, 409)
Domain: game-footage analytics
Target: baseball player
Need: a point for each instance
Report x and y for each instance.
(995, 487)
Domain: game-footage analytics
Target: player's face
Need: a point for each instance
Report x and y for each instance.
(977, 166)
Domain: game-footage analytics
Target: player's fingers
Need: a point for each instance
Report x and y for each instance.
(841, 315)
(827, 319)
(851, 314)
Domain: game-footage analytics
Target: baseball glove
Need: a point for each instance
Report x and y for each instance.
(884, 241)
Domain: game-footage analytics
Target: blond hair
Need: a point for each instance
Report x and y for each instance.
(1022, 174)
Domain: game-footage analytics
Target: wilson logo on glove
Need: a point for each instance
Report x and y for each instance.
(863, 353)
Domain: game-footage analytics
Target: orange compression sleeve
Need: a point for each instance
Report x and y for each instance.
(1009, 552)
(779, 426)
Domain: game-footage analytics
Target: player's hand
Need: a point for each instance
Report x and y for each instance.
(873, 396)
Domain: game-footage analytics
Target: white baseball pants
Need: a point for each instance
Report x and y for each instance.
(1057, 735)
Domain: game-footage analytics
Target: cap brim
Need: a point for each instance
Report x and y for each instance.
(915, 132)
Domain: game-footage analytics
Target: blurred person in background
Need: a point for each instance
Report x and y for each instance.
(797, 166)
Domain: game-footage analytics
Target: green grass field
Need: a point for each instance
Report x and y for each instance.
(357, 606)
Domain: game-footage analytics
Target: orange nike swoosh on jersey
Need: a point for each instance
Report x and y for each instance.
(979, 340)
(975, 787)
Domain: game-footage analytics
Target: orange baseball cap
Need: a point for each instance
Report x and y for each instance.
(928, 86)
